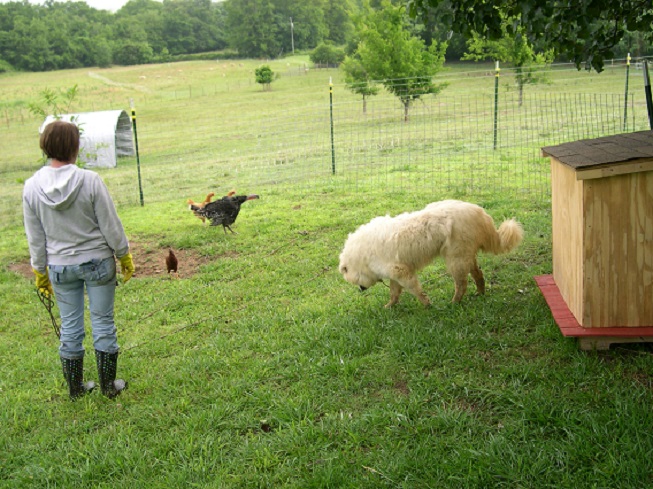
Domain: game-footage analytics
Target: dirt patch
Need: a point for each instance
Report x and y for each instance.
(402, 387)
(149, 259)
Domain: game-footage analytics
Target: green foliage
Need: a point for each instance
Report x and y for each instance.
(54, 36)
(530, 66)
(264, 76)
(390, 53)
(634, 43)
(252, 29)
(586, 33)
(209, 56)
(262, 28)
(358, 80)
(327, 54)
(68, 35)
(58, 103)
(5, 67)
(54, 102)
(337, 19)
(132, 53)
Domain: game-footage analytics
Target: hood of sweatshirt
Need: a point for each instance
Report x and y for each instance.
(58, 187)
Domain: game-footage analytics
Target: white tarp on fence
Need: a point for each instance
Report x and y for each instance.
(104, 136)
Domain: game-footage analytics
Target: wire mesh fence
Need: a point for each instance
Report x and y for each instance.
(449, 144)
(467, 141)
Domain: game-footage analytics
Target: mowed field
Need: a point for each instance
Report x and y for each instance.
(260, 366)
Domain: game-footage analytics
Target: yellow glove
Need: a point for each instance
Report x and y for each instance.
(127, 267)
(43, 283)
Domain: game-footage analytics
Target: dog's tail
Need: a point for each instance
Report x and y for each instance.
(506, 238)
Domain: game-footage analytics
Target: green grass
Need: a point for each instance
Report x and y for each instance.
(267, 369)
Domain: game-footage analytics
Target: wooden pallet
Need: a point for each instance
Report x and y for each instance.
(588, 338)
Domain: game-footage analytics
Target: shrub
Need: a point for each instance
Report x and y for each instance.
(327, 54)
(5, 67)
(264, 76)
(132, 53)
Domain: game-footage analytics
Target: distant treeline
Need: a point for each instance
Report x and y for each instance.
(64, 35)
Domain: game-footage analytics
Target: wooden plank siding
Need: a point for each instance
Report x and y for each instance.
(568, 235)
(602, 217)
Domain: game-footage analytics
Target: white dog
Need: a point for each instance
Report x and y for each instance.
(396, 248)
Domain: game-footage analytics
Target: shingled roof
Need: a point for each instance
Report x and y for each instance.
(606, 150)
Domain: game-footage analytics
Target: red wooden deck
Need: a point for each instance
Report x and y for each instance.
(590, 338)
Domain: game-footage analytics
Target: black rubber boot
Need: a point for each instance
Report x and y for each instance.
(107, 365)
(73, 372)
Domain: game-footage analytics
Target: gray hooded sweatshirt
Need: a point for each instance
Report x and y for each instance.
(70, 218)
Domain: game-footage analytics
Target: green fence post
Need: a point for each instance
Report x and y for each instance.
(333, 151)
(626, 94)
(496, 102)
(138, 160)
(649, 97)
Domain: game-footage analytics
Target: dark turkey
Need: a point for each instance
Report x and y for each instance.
(223, 211)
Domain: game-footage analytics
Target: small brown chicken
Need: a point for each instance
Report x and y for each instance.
(200, 205)
(172, 263)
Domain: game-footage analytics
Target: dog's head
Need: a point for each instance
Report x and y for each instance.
(356, 271)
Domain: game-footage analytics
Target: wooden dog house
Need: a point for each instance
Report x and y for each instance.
(602, 227)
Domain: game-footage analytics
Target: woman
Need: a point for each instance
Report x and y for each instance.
(73, 233)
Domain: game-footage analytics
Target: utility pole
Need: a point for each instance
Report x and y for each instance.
(292, 36)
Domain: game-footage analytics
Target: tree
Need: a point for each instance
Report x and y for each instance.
(54, 102)
(101, 52)
(142, 20)
(309, 26)
(327, 54)
(57, 103)
(634, 43)
(252, 28)
(132, 53)
(61, 35)
(585, 31)
(258, 28)
(337, 18)
(264, 76)
(389, 53)
(358, 80)
(5, 67)
(529, 65)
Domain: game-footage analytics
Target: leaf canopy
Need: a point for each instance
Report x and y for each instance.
(585, 31)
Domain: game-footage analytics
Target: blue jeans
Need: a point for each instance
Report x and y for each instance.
(68, 284)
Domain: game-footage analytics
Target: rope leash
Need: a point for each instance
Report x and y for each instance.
(48, 303)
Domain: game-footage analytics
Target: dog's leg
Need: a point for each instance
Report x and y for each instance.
(413, 286)
(404, 277)
(477, 275)
(461, 288)
(395, 292)
(459, 271)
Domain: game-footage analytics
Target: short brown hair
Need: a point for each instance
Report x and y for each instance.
(60, 141)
